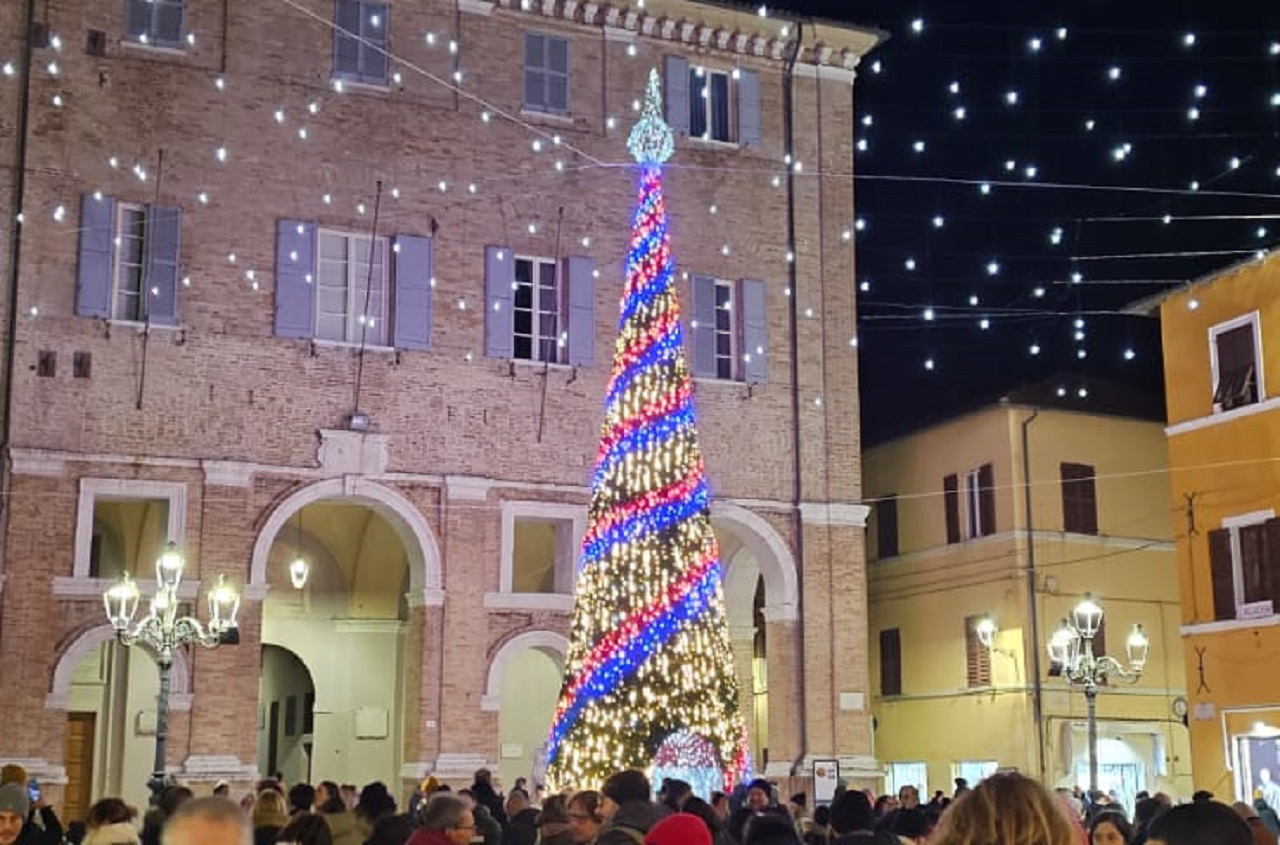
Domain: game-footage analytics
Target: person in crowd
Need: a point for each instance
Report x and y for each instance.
(1110, 828)
(269, 783)
(908, 797)
(695, 806)
(343, 824)
(485, 793)
(1006, 809)
(962, 786)
(797, 805)
(306, 829)
(350, 795)
(1262, 835)
(627, 808)
(820, 831)
(372, 803)
(553, 822)
(168, 802)
(911, 826)
(222, 789)
(1199, 823)
(522, 820)
(677, 829)
(720, 803)
(885, 805)
(1143, 812)
(584, 817)
(269, 816)
(853, 821)
(205, 821)
(487, 826)
(42, 826)
(1266, 813)
(14, 806)
(302, 797)
(770, 829)
(445, 821)
(675, 792)
(1201, 796)
(759, 795)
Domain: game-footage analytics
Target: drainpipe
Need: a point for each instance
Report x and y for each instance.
(15, 251)
(793, 322)
(1037, 688)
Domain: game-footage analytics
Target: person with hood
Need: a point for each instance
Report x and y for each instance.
(110, 822)
(483, 791)
(628, 810)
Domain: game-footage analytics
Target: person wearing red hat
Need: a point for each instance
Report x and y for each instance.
(679, 829)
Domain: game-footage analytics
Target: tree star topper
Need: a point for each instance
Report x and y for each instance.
(651, 141)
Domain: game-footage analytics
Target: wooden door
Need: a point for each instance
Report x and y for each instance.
(81, 731)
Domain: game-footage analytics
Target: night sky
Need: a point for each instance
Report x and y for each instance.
(1125, 112)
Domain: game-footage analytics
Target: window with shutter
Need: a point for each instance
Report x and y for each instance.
(713, 112)
(1244, 562)
(890, 662)
(1079, 499)
(546, 73)
(977, 656)
(1236, 363)
(887, 527)
(951, 504)
(1221, 572)
(351, 289)
(155, 23)
(360, 42)
(980, 502)
(129, 258)
(538, 311)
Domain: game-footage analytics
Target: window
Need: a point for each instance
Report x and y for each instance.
(122, 526)
(712, 115)
(1079, 499)
(887, 527)
(1244, 558)
(127, 301)
(1236, 363)
(980, 502)
(546, 73)
(974, 771)
(360, 42)
(726, 332)
(155, 22)
(538, 305)
(977, 656)
(914, 773)
(890, 662)
(351, 301)
(951, 505)
(540, 543)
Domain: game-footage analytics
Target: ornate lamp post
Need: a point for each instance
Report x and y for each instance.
(1071, 648)
(165, 631)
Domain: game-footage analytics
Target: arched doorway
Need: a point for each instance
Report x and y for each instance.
(523, 684)
(344, 630)
(286, 698)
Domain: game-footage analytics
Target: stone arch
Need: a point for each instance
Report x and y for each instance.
(772, 555)
(415, 533)
(59, 695)
(549, 642)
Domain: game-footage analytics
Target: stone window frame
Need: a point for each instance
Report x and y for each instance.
(81, 584)
(1254, 319)
(512, 511)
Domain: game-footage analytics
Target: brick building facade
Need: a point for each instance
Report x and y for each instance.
(196, 321)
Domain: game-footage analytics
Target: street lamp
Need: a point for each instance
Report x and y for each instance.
(1071, 649)
(165, 631)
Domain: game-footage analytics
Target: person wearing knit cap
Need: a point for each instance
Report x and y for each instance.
(49, 829)
(627, 808)
(13, 814)
(679, 829)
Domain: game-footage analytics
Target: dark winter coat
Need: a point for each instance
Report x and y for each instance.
(522, 829)
(631, 823)
(392, 829)
(485, 794)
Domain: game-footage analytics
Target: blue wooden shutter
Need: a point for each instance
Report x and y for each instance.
(295, 278)
(535, 63)
(749, 129)
(346, 48)
(413, 270)
(499, 317)
(97, 241)
(755, 332)
(582, 309)
(678, 94)
(703, 326)
(164, 242)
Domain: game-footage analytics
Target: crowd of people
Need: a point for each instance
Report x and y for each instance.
(1004, 809)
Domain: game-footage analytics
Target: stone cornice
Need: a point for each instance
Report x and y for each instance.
(710, 28)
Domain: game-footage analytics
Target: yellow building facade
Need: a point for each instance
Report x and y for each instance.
(951, 544)
(1220, 345)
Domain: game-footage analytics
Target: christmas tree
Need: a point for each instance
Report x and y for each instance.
(649, 679)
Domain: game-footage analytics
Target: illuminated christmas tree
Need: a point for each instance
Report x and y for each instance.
(649, 681)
